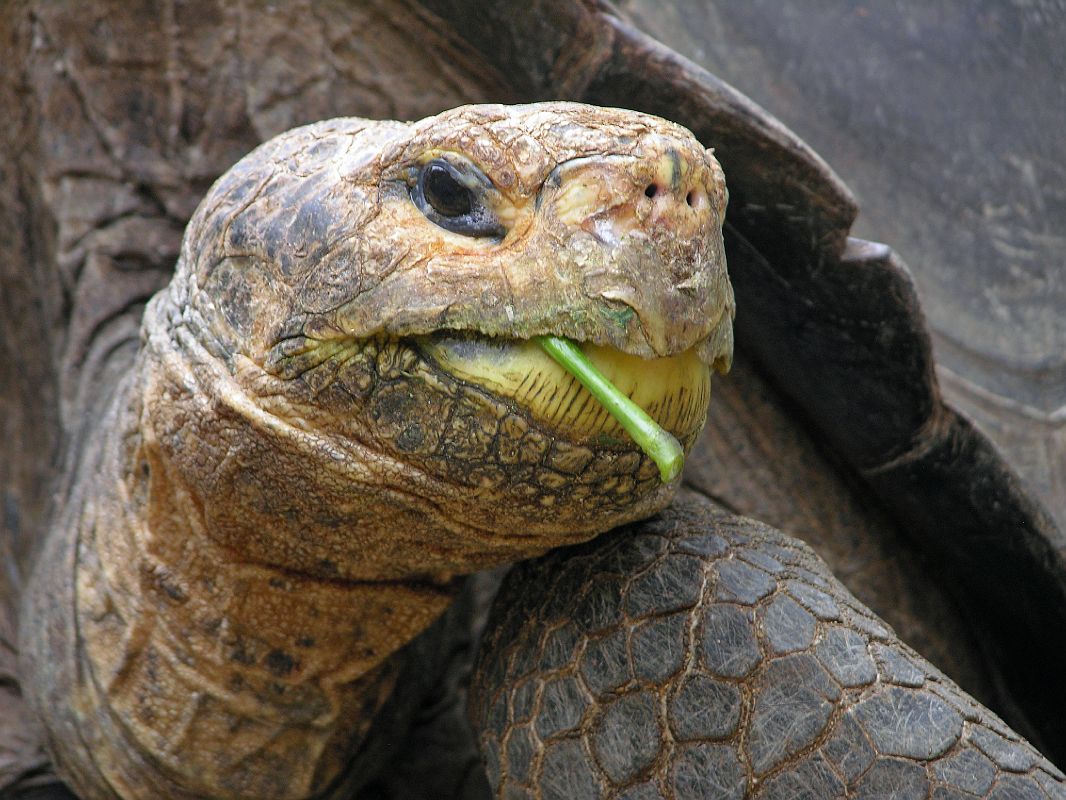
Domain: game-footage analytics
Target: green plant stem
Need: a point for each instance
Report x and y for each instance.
(653, 439)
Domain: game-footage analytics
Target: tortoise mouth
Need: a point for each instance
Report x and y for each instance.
(674, 390)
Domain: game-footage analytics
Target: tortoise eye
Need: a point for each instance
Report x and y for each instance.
(455, 199)
(442, 191)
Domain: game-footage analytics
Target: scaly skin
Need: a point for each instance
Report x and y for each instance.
(287, 484)
(703, 655)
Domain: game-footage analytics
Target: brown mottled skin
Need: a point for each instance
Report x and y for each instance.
(285, 488)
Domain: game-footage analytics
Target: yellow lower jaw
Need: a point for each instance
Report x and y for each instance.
(674, 391)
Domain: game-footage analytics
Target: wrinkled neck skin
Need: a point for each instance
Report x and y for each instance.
(183, 668)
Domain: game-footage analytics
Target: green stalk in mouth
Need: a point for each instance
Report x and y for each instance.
(659, 444)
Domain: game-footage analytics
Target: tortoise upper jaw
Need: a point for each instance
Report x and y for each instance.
(716, 351)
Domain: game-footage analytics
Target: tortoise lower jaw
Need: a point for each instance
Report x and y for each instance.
(674, 391)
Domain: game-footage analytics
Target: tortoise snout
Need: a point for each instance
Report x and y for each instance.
(686, 209)
(681, 189)
(666, 189)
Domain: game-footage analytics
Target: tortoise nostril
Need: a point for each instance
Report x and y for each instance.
(695, 198)
(651, 190)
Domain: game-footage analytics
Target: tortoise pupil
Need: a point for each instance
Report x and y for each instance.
(442, 191)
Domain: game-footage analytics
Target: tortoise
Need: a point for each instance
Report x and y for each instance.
(832, 281)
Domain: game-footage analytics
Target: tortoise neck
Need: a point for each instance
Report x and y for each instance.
(196, 673)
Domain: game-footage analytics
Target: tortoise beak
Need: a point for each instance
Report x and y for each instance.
(717, 349)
